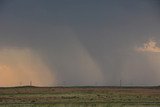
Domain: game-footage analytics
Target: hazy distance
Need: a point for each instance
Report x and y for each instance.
(79, 42)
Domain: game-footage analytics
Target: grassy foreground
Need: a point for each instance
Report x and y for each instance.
(149, 95)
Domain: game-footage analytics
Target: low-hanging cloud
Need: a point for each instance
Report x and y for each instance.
(145, 64)
(20, 66)
(150, 46)
(98, 48)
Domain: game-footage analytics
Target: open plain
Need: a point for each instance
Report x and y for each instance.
(50, 95)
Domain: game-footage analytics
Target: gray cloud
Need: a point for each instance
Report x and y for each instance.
(2, 4)
(83, 42)
(150, 46)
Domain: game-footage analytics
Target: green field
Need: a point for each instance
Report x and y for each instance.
(72, 95)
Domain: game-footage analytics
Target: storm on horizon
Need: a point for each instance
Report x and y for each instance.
(80, 42)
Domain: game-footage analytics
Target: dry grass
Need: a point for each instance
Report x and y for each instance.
(80, 94)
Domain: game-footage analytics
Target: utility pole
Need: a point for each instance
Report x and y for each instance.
(96, 83)
(20, 83)
(64, 83)
(30, 83)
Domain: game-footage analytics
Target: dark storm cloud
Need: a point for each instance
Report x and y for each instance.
(85, 42)
(156, 2)
(2, 3)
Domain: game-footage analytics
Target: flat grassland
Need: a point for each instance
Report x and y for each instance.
(40, 95)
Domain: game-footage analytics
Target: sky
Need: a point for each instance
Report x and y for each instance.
(79, 42)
